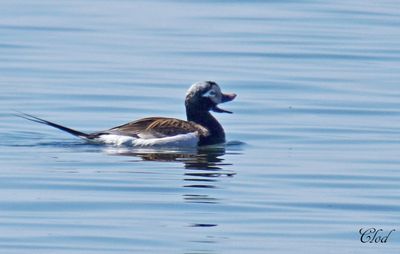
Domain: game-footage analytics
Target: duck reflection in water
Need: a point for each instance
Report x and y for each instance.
(203, 165)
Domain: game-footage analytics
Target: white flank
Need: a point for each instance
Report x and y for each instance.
(181, 140)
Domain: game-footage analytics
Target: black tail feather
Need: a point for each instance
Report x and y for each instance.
(60, 127)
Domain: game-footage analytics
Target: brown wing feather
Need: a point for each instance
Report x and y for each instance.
(158, 127)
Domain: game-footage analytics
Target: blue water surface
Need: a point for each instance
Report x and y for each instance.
(314, 138)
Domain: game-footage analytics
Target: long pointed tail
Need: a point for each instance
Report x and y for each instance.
(60, 127)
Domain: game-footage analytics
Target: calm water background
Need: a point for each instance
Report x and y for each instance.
(318, 110)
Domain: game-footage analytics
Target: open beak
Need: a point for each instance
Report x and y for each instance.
(225, 98)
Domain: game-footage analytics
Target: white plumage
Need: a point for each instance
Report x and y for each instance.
(181, 140)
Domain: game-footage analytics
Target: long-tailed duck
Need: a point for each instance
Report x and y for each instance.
(200, 129)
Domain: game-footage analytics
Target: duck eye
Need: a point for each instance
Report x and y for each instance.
(210, 93)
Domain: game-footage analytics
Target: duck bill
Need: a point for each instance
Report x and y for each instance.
(225, 98)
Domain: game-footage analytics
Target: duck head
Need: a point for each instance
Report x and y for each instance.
(205, 96)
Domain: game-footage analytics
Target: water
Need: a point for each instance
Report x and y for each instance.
(315, 132)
